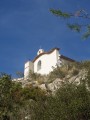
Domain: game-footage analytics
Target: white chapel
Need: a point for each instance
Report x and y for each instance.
(44, 62)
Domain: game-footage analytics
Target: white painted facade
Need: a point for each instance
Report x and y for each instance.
(28, 66)
(44, 62)
(48, 61)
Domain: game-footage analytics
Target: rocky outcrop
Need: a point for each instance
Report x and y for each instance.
(55, 84)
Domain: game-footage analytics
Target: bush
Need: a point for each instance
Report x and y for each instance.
(59, 72)
(71, 102)
(75, 72)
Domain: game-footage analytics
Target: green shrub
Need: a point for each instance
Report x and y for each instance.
(75, 72)
(59, 72)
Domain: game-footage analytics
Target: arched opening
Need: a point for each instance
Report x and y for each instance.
(39, 65)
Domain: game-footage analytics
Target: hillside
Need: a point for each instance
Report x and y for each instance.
(64, 94)
(73, 73)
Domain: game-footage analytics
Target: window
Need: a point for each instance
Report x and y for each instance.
(39, 65)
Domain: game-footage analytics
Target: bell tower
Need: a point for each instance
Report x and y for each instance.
(40, 51)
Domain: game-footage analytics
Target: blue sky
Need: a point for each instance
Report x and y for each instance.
(25, 25)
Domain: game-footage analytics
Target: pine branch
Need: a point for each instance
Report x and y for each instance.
(60, 13)
(75, 27)
(68, 15)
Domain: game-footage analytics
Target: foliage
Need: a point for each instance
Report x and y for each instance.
(59, 72)
(60, 13)
(75, 26)
(5, 88)
(87, 34)
(75, 72)
(20, 74)
(37, 77)
(71, 101)
(16, 102)
(32, 93)
(34, 76)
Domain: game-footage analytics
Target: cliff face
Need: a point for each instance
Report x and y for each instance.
(73, 73)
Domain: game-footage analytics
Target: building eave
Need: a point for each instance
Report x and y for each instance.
(67, 58)
(49, 52)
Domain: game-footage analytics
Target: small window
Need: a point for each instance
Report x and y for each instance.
(39, 65)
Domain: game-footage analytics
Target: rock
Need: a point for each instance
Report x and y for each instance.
(43, 87)
(54, 85)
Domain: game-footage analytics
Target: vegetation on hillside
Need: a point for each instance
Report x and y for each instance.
(71, 101)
